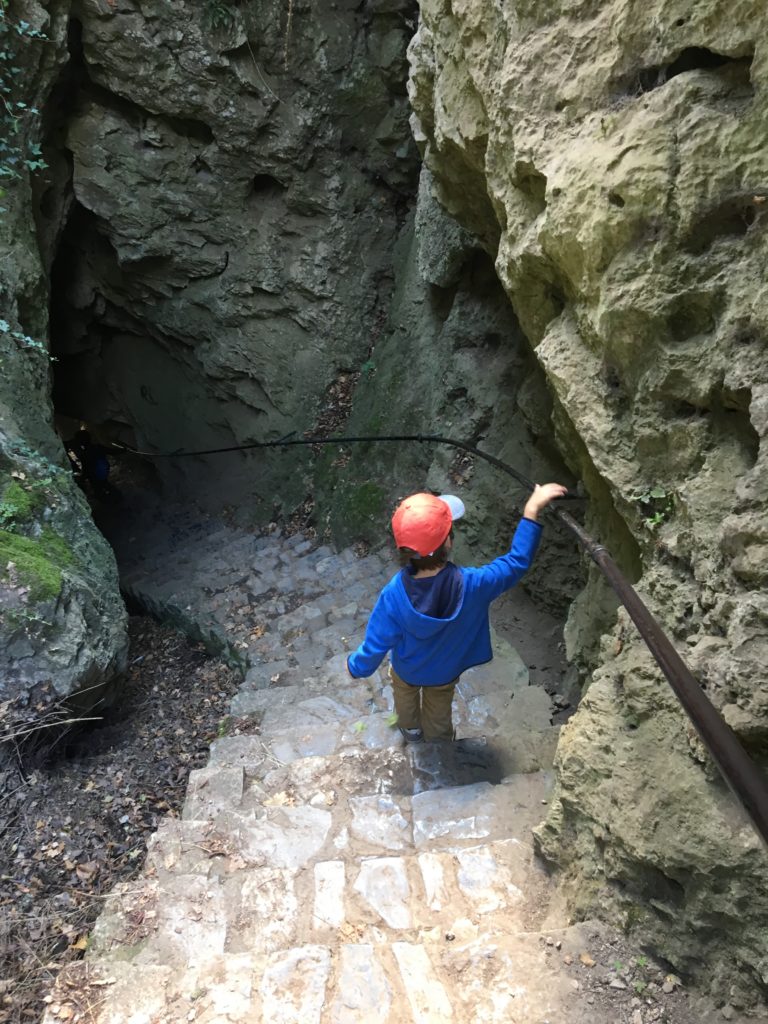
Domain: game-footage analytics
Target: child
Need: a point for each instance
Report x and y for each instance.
(433, 615)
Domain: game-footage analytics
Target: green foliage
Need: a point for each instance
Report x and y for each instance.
(219, 14)
(18, 505)
(16, 115)
(38, 561)
(25, 341)
(656, 506)
(20, 448)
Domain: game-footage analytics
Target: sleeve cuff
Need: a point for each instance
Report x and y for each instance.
(533, 522)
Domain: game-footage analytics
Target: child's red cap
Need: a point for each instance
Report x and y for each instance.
(422, 522)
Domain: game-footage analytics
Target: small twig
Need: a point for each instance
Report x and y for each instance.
(271, 756)
(45, 725)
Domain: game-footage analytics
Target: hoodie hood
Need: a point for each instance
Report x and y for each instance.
(428, 605)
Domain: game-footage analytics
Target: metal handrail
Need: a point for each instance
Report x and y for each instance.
(746, 781)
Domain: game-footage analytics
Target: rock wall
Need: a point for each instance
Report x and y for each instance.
(230, 243)
(231, 238)
(62, 623)
(237, 185)
(451, 360)
(612, 159)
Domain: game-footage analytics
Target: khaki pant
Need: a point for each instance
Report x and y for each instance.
(424, 707)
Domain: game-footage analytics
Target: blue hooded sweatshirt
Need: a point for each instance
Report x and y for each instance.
(429, 651)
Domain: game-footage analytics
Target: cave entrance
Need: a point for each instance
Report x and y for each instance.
(89, 416)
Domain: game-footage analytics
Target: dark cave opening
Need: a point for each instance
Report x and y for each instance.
(735, 72)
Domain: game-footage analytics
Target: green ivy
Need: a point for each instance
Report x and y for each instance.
(19, 505)
(16, 115)
(24, 340)
(656, 506)
(219, 14)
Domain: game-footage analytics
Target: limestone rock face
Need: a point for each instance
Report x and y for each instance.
(228, 245)
(237, 187)
(62, 622)
(612, 159)
(451, 360)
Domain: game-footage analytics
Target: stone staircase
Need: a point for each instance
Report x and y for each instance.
(322, 872)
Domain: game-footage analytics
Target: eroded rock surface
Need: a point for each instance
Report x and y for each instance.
(236, 190)
(62, 622)
(611, 157)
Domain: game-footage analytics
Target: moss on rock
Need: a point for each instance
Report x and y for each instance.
(38, 561)
(19, 504)
(359, 509)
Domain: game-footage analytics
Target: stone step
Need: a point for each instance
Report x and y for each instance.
(323, 870)
(372, 799)
(208, 894)
(460, 976)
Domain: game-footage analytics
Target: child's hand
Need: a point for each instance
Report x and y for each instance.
(541, 497)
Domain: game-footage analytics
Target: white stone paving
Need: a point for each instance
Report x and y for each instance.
(293, 985)
(427, 997)
(320, 827)
(268, 911)
(383, 885)
(330, 880)
(363, 994)
(378, 820)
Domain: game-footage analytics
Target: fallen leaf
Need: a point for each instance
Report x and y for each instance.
(586, 959)
(85, 872)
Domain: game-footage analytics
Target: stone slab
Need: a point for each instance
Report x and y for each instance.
(532, 708)
(433, 875)
(379, 821)
(485, 882)
(330, 878)
(426, 994)
(134, 995)
(293, 985)
(290, 837)
(221, 989)
(354, 772)
(239, 751)
(469, 812)
(447, 765)
(373, 732)
(264, 911)
(524, 751)
(293, 744)
(190, 919)
(363, 994)
(383, 886)
(212, 790)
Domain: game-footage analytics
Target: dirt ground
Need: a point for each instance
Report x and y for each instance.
(77, 810)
